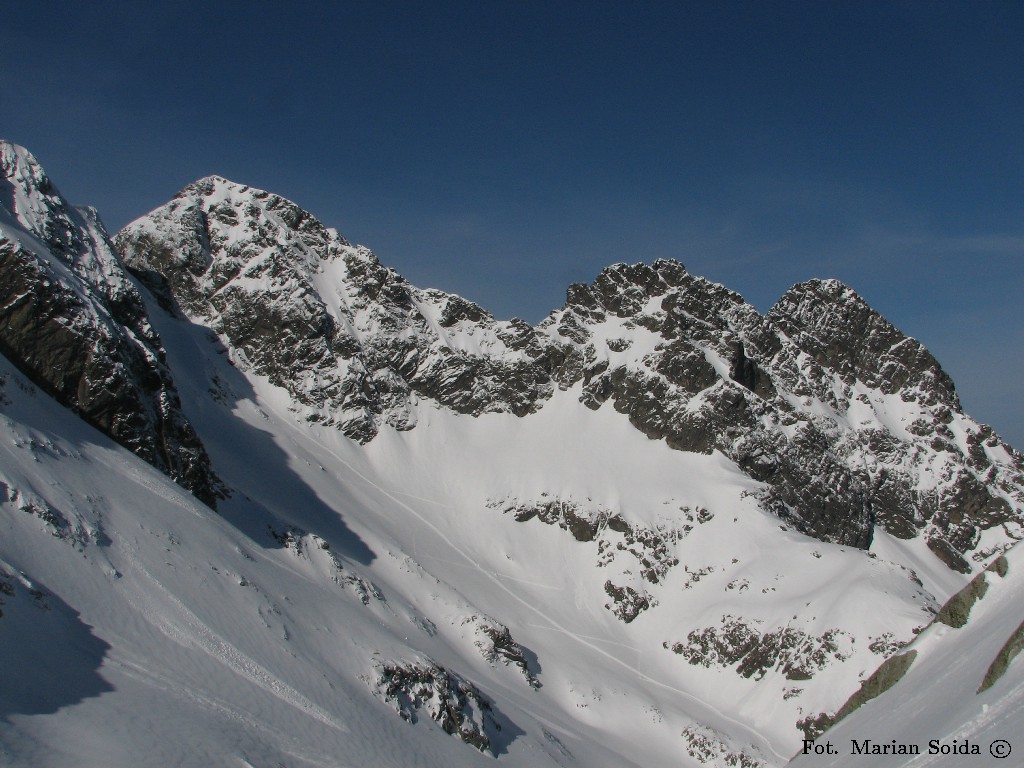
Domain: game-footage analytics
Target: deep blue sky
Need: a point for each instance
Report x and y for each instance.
(504, 149)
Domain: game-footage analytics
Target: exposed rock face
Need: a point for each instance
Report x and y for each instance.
(853, 350)
(350, 339)
(737, 642)
(451, 701)
(834, 326)
(705, 387)
(74, 322)
(711, 747)
(890, 672)
(845, 422)
(1011, 649)
(497, 646)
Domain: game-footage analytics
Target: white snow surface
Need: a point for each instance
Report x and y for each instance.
(140, 628)
(185, 637)
(936, 706)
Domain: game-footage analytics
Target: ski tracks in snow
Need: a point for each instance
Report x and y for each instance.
(755, 737)
(187, 629)
(491, 572)
(210, 703)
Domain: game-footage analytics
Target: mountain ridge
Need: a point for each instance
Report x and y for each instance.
(375, 344)
(653, 529)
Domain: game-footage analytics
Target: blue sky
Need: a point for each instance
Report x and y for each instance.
(502, 150)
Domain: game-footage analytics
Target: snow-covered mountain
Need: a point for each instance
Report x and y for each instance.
(846, 421)
(75, 323)
(659, 528)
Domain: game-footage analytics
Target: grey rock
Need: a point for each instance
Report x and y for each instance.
(453, 702)
(73, 321)
(350, 339)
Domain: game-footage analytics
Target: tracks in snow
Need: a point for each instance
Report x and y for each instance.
(749, 732)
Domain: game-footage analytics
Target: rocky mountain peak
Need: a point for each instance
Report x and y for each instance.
(626, 290)
(34, 204)
(799, 398)
(840, 331)
(20, 168)
(75, 237)
(350, 339)
(74, 322)
(822, 402)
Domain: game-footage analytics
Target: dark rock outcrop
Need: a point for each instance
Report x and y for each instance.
(740, 644)
(497, 646)
(450, 700)
(73, 321)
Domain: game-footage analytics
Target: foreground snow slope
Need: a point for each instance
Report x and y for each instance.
(149, 631)
(171, 619)
(952, 693)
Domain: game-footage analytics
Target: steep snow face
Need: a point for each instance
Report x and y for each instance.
(72, 319)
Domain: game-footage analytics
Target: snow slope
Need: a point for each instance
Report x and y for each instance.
(209, 625)
(187, 641)
(438, 547)
(938, 704)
